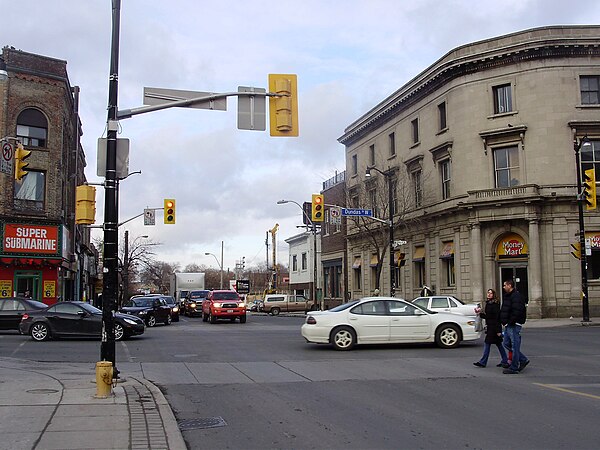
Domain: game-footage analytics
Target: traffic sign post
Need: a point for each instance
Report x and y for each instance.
(149, 217)
(6, 161)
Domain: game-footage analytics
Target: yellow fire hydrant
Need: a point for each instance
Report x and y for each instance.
(104, 374)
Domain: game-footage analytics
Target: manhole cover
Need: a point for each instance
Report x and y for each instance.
(42, 391)
(196, 424)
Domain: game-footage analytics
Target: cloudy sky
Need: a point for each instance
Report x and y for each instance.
(348, 55)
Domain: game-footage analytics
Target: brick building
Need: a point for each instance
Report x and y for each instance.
(42, 250)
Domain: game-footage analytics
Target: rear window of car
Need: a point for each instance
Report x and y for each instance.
(274, 299)
(143, 302)
(344, 306)
(225, 296)
(421, 302)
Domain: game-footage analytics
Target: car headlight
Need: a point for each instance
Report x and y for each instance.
(192, 305)
(217, 305)
(175, 309)
(241, 305)
(130, 322)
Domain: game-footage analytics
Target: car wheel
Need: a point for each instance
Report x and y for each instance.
(275, 311)
(204, 317)
(343, 338)
(212, 318)
(151, 321)
(243, 319)
(40, 332)
(447, 336)
(168, 320)
(119, 332)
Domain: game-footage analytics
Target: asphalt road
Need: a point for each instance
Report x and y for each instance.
(259, 385)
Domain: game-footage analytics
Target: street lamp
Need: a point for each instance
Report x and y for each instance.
(314, 231)
(584, 142)
(216, 259)
(389, 175)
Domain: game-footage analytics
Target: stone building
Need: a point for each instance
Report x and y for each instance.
(42, 250)
(481, 148)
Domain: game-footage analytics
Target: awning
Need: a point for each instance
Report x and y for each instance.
(419, 254)
(357, 262)
(374, 261)
(447, 250)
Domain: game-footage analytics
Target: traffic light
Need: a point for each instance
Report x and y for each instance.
(283, 109)
(169, 211)
(20, 165)
(576, 250)
(589, 189)
(85, 205)
(317, 208)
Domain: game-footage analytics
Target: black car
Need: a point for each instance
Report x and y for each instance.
(13, 308)
(193, 303)
(174, 307)
(76, 319)
(151, 310)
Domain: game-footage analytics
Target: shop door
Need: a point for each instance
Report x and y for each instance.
(518, 273)
(28, 282)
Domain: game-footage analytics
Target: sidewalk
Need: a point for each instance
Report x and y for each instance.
(52, 406)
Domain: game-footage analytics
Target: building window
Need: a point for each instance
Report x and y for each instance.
(372, 154)
(356, 274)
(295, 263)
(392, 140)
(506, 165)
(354, 199)
(502, 99)
(442, 116)
(373, 264)
(590, 86)
(415, 130)
(590, 158)
(419, 265)
(417, 188)
(32, 128)
(354, 164)
(32, 188)
(448, 268)
(372, 193)
(445, 178)
(304, 261)
(394, 187)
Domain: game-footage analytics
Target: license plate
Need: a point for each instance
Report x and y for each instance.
(230, 310)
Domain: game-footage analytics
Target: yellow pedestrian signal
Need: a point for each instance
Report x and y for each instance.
(85, 205)
(589, 189)
(576, 250)
(169, 211)
(283, 108)
(318, 206)
(20, 165)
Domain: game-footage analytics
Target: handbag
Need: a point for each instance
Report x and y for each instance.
(478, 323)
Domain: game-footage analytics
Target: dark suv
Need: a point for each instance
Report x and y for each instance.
(151, 310)
(223, 305)
(193, 303)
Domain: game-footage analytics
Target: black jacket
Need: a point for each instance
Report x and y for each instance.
(513, 309)
(491, 314)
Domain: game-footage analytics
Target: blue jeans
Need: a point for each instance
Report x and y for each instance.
(486, 354)
(512, 337)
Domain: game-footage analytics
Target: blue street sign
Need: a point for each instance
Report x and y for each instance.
(357, 212)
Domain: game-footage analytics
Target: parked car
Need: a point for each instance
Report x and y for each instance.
(193, 302)
(174, 307)
(13, 308)
(381, 320)
(276, 303)
(76, 319)
(222, 304)
(151, 310)
(446, 303)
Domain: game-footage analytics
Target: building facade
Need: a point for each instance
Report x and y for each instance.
(43, 253)
(304, 263)
(481, 148)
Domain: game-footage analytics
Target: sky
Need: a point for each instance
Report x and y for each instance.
(349, 55)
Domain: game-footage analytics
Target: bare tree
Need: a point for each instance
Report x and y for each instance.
(158, 274)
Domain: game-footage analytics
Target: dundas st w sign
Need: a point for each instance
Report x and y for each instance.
(38, 239)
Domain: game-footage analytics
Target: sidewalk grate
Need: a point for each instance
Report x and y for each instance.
(197, 424)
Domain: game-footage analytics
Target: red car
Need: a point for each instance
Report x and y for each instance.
(223, 305)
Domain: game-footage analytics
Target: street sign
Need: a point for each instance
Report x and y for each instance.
(159, 96)
(399, 243)
(242, 286)
(6, 162)
(335, 211)
(149, 217)
(252, 109)
(357, 212)
(122, 158)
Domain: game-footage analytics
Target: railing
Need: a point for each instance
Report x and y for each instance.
(528, 190)
(338, 178)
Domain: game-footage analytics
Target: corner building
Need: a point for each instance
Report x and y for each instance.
(481, 144)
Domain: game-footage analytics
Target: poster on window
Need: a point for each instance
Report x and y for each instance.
(49, 289)
(5, 288)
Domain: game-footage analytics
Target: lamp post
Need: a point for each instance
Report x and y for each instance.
(221, 264)
(314, 232)
(580, 199)
(388, 174)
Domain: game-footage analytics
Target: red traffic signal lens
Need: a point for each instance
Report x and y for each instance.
(169, 204)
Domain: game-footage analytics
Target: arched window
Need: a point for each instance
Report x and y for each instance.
(32, 128)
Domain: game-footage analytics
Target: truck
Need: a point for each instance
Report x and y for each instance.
(184, 282)
(276, 303)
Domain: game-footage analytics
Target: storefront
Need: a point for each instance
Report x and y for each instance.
(512, 258)
(30, 261)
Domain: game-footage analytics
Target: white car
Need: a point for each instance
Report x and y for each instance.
(380, 320)
(446, 303)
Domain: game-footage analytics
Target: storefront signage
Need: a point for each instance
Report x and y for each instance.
(34, 239)
(594, 238)
(512, 246)
(49, 289)
(5, 288)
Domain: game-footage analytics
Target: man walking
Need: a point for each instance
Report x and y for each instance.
(513, 315)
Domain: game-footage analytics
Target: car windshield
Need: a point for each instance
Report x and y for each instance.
(169, 300)
(225, 296)
(344, 306)
(91, 309)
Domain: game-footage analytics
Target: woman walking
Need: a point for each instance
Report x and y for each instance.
(493, 333)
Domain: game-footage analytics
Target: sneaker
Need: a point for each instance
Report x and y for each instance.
(503, 365)
(510, 371)
(523, 365)
(478, 364)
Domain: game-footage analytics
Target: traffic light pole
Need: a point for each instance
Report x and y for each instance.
(583, 259)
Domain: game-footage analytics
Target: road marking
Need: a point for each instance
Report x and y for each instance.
(569, 391)
(17, 349)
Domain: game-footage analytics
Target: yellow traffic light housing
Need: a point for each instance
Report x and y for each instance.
(20, 165)
(589, 189)
(85, 205)
(318, 206)
(576, 250)
(169, 211)
(283, 108)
